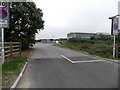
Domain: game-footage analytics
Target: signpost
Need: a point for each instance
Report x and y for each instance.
(115, 32)
(4, 21)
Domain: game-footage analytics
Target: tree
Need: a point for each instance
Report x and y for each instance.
(25, 22)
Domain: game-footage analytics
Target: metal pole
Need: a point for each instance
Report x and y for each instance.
(114, 48)
(3, 56)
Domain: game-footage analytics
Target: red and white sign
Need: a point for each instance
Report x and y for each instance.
(3, 4)
(4, 14)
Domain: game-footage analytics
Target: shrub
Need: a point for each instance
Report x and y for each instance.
(97, 47)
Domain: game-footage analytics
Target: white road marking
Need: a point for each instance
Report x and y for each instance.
(85, 61)
(67, 58)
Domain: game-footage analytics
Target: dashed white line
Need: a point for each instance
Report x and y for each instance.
(85, 61)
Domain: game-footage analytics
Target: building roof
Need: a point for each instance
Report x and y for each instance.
(113, 16)
(103, 33)
(80, 33)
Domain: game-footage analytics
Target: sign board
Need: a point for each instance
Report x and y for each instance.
(3, 4)
(4, 14)
(115, 25)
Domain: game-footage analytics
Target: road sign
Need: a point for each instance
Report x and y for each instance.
(115, 26)
(3, 4)
(4, 14)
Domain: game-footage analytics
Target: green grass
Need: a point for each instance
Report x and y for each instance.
(11, 69)
(94, 47)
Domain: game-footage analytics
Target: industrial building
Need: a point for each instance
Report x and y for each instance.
(83, 35)
(80, 35)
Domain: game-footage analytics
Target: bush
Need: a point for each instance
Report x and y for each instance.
(102, 49)
(97, 47)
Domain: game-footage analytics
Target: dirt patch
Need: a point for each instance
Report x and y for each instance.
(27, 53)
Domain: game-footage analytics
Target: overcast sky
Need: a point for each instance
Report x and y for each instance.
(65, 16)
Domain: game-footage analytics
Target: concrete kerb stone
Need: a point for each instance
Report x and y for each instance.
(21, 74)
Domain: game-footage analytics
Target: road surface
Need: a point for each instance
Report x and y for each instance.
(54, 67)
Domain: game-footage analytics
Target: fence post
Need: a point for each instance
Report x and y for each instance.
(117, 51)
(20, 48)
(11, 44)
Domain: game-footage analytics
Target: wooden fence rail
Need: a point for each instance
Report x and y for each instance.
(117, 51)
(11, 49)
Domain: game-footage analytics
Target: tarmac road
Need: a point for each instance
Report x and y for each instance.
(54, 67)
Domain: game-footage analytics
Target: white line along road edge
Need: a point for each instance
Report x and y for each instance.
(85, 61)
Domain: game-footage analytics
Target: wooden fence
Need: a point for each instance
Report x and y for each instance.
(117, 51)
(11, 49)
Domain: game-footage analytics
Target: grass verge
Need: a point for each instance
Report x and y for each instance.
(102, 50)
(11, 69)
